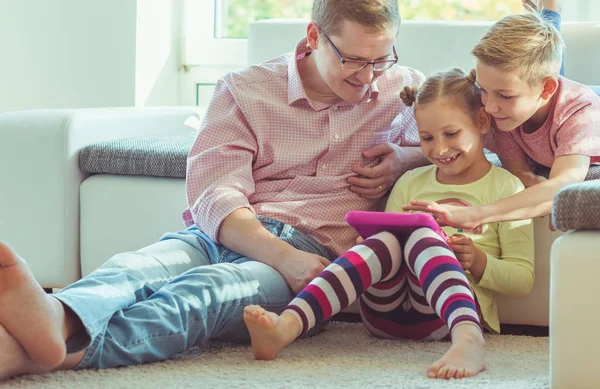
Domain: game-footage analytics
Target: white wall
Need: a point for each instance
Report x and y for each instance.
(158, 52)
(83, 53)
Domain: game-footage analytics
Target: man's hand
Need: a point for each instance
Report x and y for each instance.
(456, 216)
(299, 268)
(469, 256)
(374, 182)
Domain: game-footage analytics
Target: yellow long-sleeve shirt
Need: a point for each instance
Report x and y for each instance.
(508, 245)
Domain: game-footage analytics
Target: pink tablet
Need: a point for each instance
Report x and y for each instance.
(401, 224)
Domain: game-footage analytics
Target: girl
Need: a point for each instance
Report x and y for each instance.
(422, 288)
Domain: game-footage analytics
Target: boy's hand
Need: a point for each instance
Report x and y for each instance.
(469, 256)
(456, 216)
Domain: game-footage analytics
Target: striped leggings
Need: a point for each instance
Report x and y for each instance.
(422, 297)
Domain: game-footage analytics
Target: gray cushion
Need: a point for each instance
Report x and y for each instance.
(159, 156)
(577, 207)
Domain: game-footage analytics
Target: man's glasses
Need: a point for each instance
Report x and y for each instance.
(378, 66)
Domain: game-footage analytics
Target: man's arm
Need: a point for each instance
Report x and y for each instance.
(243, 233)
(218, 184)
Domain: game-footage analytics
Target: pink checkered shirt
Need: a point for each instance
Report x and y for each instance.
(266, 146)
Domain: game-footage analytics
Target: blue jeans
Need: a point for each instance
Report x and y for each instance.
(157, 302)
(556, 20)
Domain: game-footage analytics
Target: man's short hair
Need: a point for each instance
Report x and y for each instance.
(375, 15)
(525, 44)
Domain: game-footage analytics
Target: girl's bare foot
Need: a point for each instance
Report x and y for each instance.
(466, 356)
(28, 314)
(269, 332)
(14, 360)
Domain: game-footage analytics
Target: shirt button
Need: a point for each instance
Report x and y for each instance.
(336, 136)
(335, 107)
(324, 167)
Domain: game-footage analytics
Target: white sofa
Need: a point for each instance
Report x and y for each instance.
(66, 223)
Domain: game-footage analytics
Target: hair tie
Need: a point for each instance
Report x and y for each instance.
(472, 76)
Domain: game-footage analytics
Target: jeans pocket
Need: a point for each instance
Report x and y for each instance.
(228, 256)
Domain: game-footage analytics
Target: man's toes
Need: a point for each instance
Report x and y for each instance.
(460, 373)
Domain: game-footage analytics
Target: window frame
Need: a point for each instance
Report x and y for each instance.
(200, 45)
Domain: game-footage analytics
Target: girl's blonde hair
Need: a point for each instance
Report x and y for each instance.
(453, 84)
(375, 15)
(525, 44)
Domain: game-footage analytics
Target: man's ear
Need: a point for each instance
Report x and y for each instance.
(483, 120)
(312, 35)
(549, 87)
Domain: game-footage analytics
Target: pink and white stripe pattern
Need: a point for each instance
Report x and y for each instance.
(423, 297)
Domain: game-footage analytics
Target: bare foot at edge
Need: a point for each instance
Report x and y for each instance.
(269, 332)
(28, 314)
(14, 361)
(466, 356)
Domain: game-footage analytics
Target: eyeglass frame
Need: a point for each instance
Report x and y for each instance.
(366, 63)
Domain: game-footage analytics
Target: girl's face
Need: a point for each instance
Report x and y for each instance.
(453, 141)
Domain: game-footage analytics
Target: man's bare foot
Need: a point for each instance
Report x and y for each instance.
(466, 356)
(269, 332)
(14, 360)
(28, 314)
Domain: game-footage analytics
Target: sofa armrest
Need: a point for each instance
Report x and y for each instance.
(577, 207)
(40, 177)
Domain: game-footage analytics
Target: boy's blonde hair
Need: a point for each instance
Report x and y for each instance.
(453, 84)
(375, 15)
(525, 44)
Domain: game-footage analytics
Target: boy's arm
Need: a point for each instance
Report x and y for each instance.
(533, 202)
(523, 171)
(537, 200)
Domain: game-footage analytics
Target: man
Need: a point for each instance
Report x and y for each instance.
(285, 150)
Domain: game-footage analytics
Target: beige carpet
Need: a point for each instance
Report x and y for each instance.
(345, 356)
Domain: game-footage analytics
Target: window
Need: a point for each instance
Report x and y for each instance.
(215, 31)
(233, 16)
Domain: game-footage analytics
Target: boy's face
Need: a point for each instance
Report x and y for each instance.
(354, 42)
(450, 139)
(507, 98)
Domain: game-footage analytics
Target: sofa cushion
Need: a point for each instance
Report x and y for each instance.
(159, 156)
(577, 207)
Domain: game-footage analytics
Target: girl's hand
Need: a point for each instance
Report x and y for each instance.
(469, 256)
(459, 217)
(358, 240)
